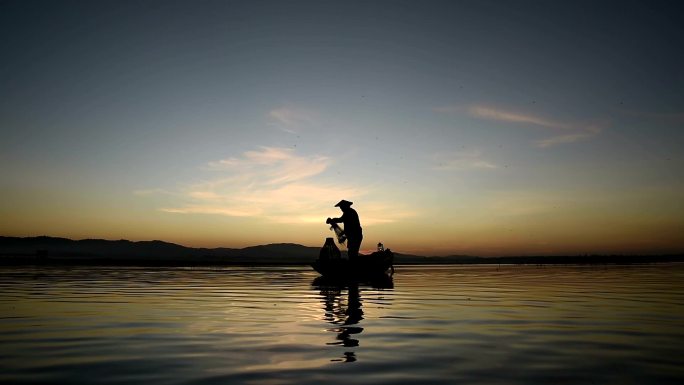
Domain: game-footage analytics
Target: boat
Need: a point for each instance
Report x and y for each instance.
(377, 265)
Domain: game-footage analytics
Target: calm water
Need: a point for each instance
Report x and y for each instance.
(436, 325)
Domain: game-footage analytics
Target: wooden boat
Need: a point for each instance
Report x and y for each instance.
(365, 267)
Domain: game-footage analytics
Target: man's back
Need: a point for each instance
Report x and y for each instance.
(352, 224)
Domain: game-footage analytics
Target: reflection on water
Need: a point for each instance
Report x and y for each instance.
(283, 325)
(345, 313)
(344, 316)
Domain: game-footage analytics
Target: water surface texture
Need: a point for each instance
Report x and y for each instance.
(278, 325)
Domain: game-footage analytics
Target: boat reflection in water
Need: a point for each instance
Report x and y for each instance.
(345, 312)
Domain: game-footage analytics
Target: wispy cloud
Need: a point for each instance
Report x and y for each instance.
(292, 119)
(462, 160)
(214, 209)
(153, 191)
(277, 185)
(272, 183)
(586, 132)
(565, 131)
(516, 117)
(273, 165)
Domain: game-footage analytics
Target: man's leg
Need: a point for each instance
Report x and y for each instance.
(353, 246)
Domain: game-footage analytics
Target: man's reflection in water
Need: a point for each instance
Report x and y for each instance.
(345, 314)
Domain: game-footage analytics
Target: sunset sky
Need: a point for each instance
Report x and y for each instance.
(455, 127)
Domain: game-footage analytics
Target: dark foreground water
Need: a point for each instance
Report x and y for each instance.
(436, 325)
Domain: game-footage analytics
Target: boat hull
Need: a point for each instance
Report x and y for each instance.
(364, 267)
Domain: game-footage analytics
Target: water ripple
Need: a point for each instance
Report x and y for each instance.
(277, 325)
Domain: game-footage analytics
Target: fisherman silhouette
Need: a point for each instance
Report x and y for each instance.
(352, 228)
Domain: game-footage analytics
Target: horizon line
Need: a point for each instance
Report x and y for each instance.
(588, 254)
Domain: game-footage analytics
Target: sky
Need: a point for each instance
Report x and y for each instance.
(456, 127)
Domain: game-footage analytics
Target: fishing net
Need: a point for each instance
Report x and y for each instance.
(341, 237)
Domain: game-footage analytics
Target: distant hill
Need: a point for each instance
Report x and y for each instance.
(47, 250)
(51, 249)
(62, 250)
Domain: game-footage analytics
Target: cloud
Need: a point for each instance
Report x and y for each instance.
(209, 209)
(462, 160)
(566, 132)
(273, 165)
(586, 133)
(272, 183)
(278, 185)
(292, 119)
(154, 191)
(515, 117)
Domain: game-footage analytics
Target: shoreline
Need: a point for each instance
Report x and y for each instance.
(32, 260)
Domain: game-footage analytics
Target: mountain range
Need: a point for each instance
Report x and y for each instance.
(63, 250)
(53, 250)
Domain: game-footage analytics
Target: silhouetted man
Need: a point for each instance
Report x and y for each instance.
(352, 227)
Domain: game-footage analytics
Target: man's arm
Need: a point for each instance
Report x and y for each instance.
(334, 220)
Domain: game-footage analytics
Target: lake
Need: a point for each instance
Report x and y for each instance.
(483, 324)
